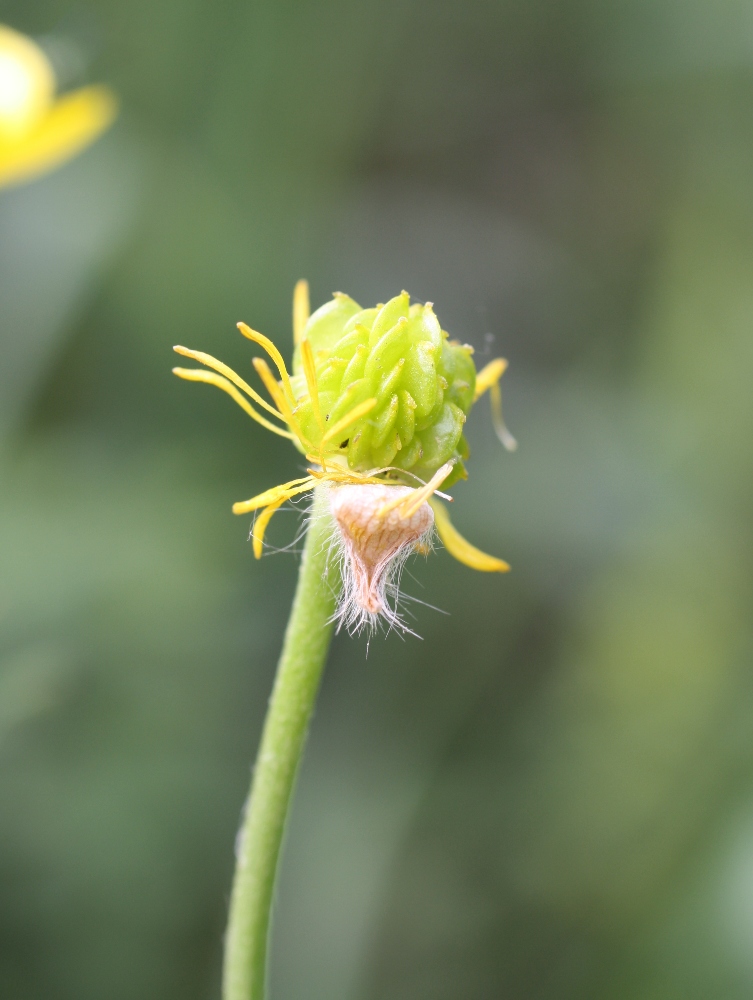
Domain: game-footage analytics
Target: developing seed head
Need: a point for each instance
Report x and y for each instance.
(397, 354)
(376, 402)
(375, 536)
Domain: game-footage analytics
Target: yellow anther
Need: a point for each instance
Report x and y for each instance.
(334, 475)
(218, 366)
(500, 428)
(301, 309)
(260, 526)
(272, 495)
(274, 390)
(488, 378)
(489, 375)
(269, 347)
(410, 502)
(200, 375)
(424, 492)
(309, 370)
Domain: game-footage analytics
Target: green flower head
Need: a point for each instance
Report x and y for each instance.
(377, 397)
(397, 354)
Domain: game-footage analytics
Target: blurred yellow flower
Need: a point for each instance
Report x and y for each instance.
(38, 131)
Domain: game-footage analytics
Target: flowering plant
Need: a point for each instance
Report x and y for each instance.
(376, 402)
(377, 398)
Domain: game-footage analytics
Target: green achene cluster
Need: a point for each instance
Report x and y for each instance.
(398, 354)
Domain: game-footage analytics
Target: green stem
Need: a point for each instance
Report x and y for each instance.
(304, 653)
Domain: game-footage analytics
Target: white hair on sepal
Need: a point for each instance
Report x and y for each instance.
(372, 540)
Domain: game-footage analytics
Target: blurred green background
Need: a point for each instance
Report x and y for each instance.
(551, 795)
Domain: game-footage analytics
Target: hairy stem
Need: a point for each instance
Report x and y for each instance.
(299, 672)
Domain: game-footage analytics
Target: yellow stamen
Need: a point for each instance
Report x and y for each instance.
(281, 492)
(260, 526)
(355, 414)
(326, 464)
(411, 475)
(338, 462)
(410, 502)
(500, 427)
(309, 370)
(200, 375)
(344, 478)
(269, 347)
(274, 390)
(301, 309)
(489, 375)
(488, 378)
(424, 492)
(272, 387)
(458, 547)
(218, 366)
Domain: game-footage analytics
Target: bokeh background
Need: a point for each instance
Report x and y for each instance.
(551, 795)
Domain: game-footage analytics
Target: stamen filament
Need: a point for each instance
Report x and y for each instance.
(309, 370)
(500, 427)
(488, 378)
(424, 492)
(411, 475)
(218, 366)
(301, 310)
(272, 495)
(351, 478)
(489, 375)
(260, 526)
(274, 390)
(200, 375)
(269, 347)
(410, 502)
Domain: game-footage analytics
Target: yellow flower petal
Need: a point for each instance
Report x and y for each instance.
(71, 124)
(458, 547)
(27, 85)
